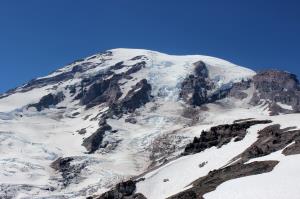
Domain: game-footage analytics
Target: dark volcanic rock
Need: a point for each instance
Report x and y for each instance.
(132, 69)
(63, 76)
(36, 83)
(105, 90)
(277, 86)
(123, 190)
(61, 163)
(201, 69)
(70, 172)
(118, 66)
(238, 89)
(102, 89)
(220, 135)
(293, 149)
(93, 142)
(138, 96)
(194, 88)
(82, 131)
(214, 178)
(48, 101)
(139, 57)
(131, 120)
(197, 89)
(135, 68)
(272, 139)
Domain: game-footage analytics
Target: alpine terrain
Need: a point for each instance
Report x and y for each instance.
(137, 124)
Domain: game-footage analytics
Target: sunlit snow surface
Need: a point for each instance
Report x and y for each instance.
(30, 141)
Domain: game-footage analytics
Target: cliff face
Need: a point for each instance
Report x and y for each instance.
(280, 89)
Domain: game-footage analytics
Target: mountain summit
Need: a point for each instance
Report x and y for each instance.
(133, 123)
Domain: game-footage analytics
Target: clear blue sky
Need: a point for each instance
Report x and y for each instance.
(39, 36)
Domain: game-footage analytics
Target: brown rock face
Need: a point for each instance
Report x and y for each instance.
(277, 86)
(93, 142)
(238, 89)
(194, 88)
(105, 90)
(220, 135)
(137, 96)
(293, 149)
(197, 89)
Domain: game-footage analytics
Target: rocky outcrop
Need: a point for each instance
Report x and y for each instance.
(69, 172)
(105, 87)
(138, 57)
(131, 120)
(272, 139)
(78, 66)
(48, 101)
(219, 135)
(194, 88)
(104, 90)
(277, 87)
(135, 68)
(94, 141)
(214, 178)
(139, 95)
(293, 149)
(238, 89)
(123, 190)
(280, 90)
(118, 66)
(61, 163)
(197, 89)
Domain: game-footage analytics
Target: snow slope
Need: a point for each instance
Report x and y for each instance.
(177, 175)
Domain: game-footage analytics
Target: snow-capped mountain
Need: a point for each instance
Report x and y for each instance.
(131, 123)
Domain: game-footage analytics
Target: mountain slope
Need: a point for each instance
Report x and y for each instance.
(133, 114)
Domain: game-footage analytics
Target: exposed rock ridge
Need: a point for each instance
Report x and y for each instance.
(123, 190)
(272, 139)
(94, 141)
(139, 95)
(219, 135)
(214, 178)
(105, 87)
(48, 101)
(194, 89)
(276, 88)
(69, 172)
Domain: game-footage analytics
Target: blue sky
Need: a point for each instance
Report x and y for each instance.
(39, 36)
